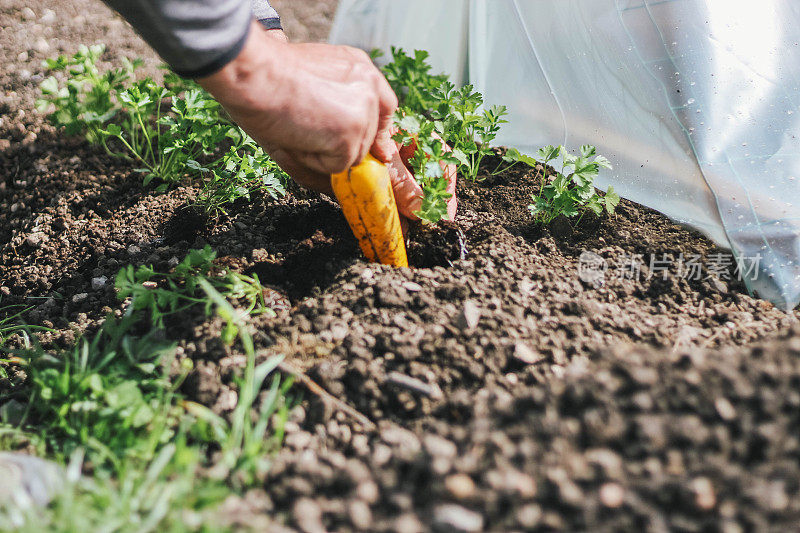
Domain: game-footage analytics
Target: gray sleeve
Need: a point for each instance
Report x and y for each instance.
(265, 14)
(195, 37)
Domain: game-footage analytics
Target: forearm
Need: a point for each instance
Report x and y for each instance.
(196, 37)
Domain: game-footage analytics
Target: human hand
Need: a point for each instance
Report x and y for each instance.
(407, 192)
(316, 109)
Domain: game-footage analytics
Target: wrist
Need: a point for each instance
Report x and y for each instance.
(242, 84)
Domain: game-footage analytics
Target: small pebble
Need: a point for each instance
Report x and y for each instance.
(410, 286)
(455, 518)
(725, 409)
(460, 486)
(439, 447)
(360, 515)
(41, 45)
(612, 495)
(80, 297)
(469, 317)
(704, 496)
(99, 283)
(408, 523)
(525, 354)
(529, 515)
(308, 515)
(33, 239)
(48, 17)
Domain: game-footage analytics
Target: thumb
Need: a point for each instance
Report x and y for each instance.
(383, 147)
(407, 192)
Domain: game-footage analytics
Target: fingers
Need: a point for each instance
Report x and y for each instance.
(363, 69)
(407, 192)
(302, 174)
(449, 171)
(383, 147)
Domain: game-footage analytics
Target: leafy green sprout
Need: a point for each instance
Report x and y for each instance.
(85, 102)
(458, 114)
(466, 129)
(411, 79)
(244, 170)
(172, 132)
(432, 108)
(426, 164)
(571, 192)
(115, 396)
(165, 294)
(12, 322)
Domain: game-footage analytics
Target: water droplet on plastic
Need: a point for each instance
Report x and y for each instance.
(691, 101)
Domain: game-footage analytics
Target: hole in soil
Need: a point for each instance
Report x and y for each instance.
(185, 225)
(436, 246)
(314, 263)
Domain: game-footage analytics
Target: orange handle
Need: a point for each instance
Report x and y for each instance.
(365, 194)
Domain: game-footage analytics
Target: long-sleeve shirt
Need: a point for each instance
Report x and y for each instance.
(196, 37)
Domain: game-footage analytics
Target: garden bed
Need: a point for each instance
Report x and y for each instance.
(493, 388)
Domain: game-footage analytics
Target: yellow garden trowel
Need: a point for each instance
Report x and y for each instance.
(367, 199)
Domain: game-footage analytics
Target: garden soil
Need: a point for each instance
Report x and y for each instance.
(489, 388)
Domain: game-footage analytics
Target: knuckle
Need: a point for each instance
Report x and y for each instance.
(362, 72)
(360, 55)
(370, 100)
(391, 100)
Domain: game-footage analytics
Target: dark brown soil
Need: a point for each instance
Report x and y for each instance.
(506, 393)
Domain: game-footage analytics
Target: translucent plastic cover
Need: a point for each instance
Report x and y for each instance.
(695, 102)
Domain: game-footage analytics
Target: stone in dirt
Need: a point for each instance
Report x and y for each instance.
(452, 518)
(469, 316)
(525, 354)
(460, 486)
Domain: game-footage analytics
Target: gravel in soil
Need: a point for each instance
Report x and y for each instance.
(503, 391)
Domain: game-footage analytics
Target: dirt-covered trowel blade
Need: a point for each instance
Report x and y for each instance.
(367, 199)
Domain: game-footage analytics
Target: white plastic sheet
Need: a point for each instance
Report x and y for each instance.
(695, 102)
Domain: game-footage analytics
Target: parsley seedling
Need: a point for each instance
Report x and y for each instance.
(171, 132)
(571, 191)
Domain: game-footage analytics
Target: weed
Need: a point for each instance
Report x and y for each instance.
(115, 396)
(171, 132)
(165, 294)
(571, 192)
(242, 171)
(11, 323)
(85, 103)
